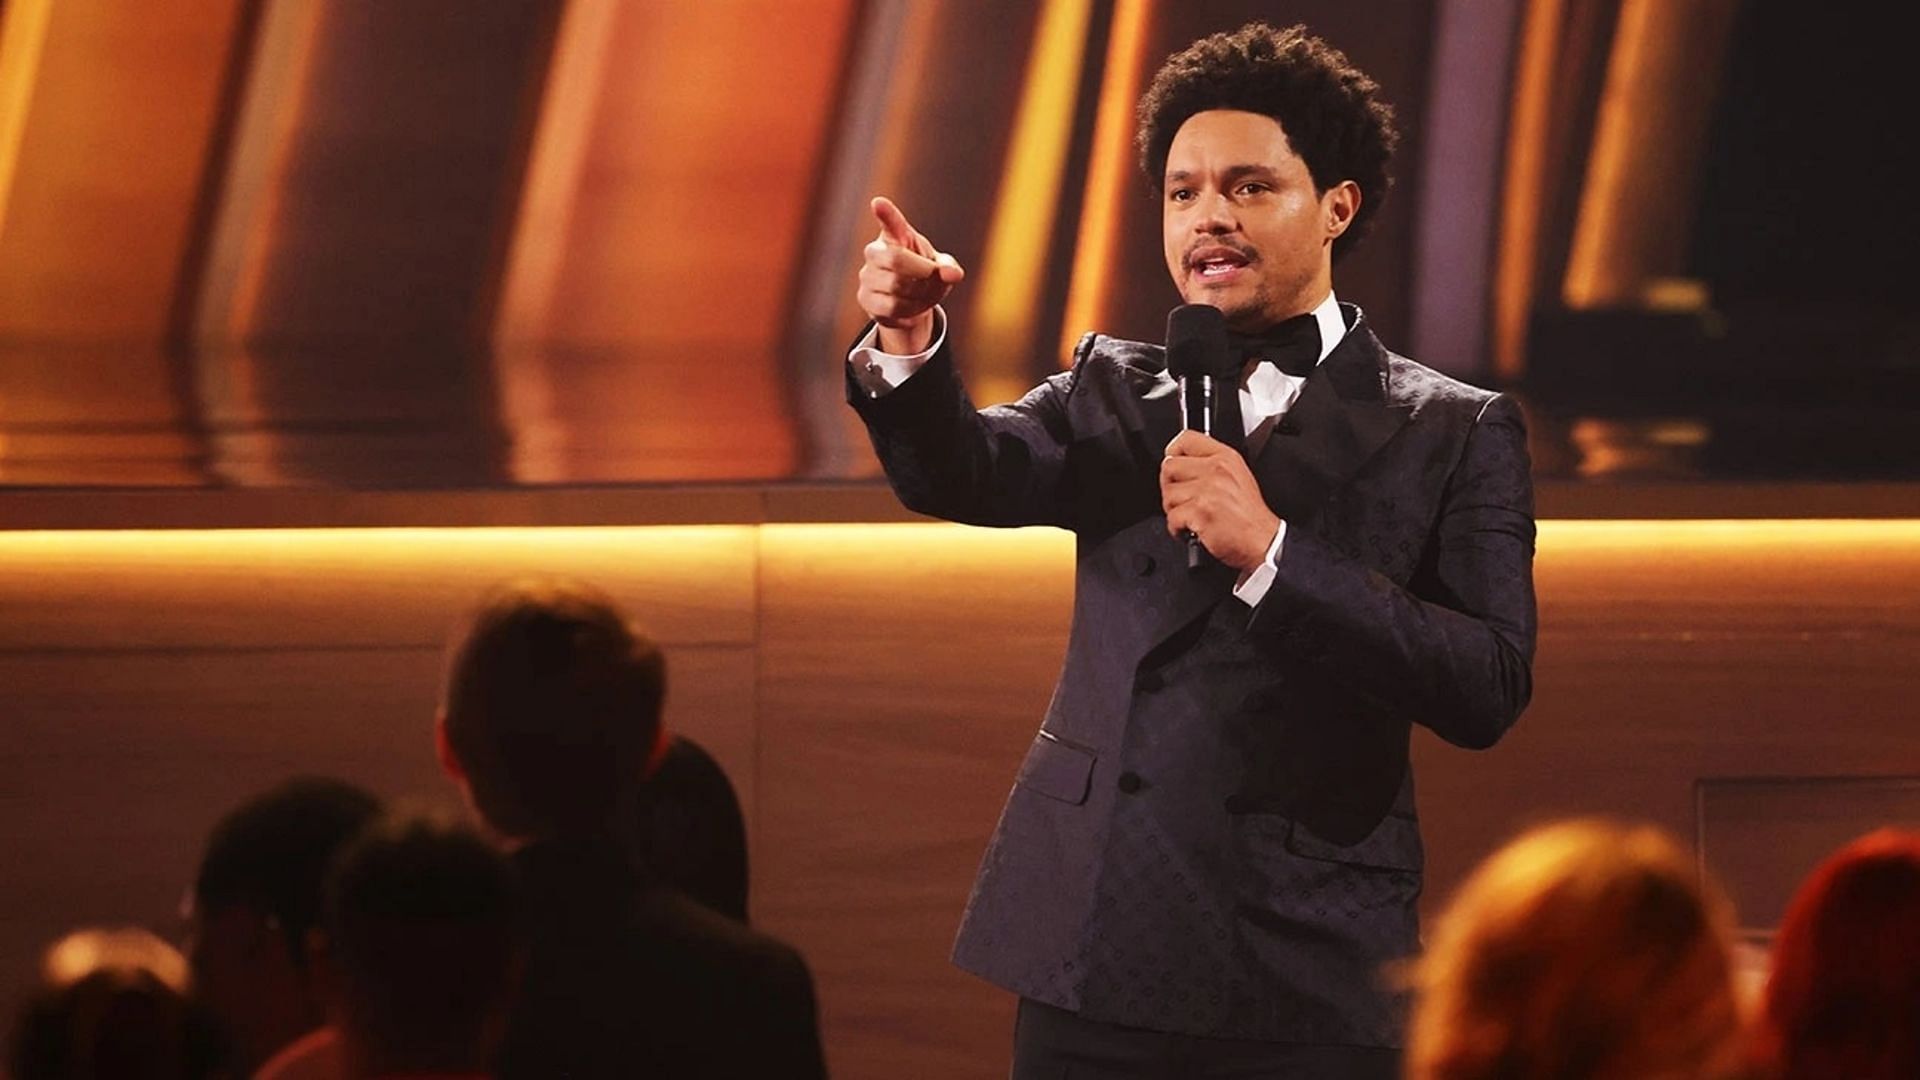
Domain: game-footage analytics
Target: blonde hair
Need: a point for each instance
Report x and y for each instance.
(1583, 950)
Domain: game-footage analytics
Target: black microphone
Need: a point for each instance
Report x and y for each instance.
(1198, 355)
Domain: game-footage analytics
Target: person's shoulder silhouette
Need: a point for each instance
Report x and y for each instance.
(692, 833)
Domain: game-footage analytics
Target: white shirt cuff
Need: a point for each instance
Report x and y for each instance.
(1253, 587)
(879, 372)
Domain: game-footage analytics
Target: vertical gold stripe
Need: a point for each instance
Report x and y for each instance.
(900, 122)
(542, 228)
(263, 139)
(23, 35)
(560, 144)
(1108, 169)
(242, 238)
(1013, 266)
(1594, 271)
(1522, 194)
(903, 115)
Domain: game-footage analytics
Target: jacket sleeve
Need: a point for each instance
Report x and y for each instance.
(1454, 648)
(1003, 465)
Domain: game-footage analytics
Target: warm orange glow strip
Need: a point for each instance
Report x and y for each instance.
(221, 556)
(23, 36)
(1013, 265)
(456, 546)
(1108, 170)
(1522, 193)
(1770, 537)
(1559, 539)
(1595, 276)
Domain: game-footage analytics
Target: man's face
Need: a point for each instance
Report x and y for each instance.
(1243, 227)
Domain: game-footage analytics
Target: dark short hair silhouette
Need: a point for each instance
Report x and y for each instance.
(552, 709)
(271, 852)
(423, 933)
(256, 899)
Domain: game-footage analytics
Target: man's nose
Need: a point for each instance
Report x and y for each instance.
(1215, 214)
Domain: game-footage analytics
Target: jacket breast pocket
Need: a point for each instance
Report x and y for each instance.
(1057, 769)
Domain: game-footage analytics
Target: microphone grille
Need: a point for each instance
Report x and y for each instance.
(1196, 341)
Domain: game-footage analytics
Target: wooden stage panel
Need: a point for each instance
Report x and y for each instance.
(120, 763)
(903, 671)
(138, 745)
(871, 689)
(711, 694)
(1677, 651)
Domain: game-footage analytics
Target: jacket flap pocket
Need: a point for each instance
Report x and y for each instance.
(1394, 844)
(1058, 770)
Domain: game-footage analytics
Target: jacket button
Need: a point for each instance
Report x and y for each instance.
(1129, 782)
(1148, 682)
(1142, 563)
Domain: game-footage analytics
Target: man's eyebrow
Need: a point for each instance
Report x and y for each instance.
(1235, 172)
(1232, 172)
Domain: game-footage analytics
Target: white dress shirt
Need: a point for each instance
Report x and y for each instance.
(1266, 393)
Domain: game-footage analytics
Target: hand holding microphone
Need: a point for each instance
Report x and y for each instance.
(1206, 489)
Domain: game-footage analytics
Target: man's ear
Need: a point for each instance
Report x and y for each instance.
(1340, 204)
(443, 749)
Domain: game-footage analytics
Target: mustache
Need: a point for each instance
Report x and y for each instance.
(1248, 253)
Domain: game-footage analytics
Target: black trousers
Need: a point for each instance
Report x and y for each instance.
(1053, 1044)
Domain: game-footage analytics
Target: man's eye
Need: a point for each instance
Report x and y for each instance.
(1253, 188)
(1181, 195)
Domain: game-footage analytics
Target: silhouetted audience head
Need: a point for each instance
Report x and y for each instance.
(1843, 999)
(1584, 950)
(420, 951)
(112, 1005)
(551, 712)
(254, 902)
(693, 836)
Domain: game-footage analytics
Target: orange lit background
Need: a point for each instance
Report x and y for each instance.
(436, 264)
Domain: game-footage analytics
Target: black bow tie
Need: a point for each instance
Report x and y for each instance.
(1292, 346)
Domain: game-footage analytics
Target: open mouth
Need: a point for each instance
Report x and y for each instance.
(1216, 263)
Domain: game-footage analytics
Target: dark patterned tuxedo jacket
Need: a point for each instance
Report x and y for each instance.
(1214, 831)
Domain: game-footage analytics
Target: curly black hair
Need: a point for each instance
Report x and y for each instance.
(1326, 106)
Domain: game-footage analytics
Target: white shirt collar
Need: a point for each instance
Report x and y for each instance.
(1332, 326)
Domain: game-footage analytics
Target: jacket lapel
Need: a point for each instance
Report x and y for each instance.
(1343, 417)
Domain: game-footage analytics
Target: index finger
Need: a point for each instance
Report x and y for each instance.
(893, 224)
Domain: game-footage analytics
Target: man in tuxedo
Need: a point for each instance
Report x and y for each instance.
(551, 713)
(1211, 851)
